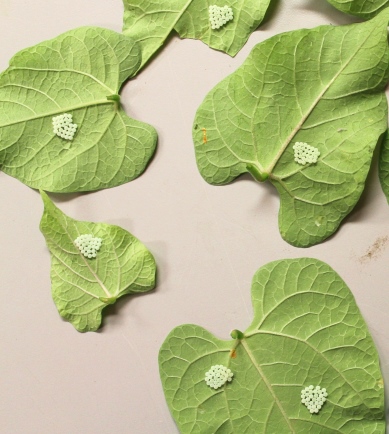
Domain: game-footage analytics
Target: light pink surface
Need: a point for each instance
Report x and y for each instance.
(208, 242)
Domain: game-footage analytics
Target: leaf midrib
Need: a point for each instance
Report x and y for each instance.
(57, 112)
(268, 170)
(164, 36)
(25, 68)
(268, 384)
(271, 166)
(267, 332)
(98, 280)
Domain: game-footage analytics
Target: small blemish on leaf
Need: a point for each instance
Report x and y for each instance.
(233, 354)
(340, 130)
(205, 140)
(319, 221)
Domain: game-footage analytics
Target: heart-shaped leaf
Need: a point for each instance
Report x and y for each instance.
(83, 284)
(307, 330)
(151, 21)
(320, 89)
(78, 73)
(360, 8)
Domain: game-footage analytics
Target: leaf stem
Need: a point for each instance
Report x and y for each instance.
(256, 173)
(115, 97)
(237, 334)
(108, 300)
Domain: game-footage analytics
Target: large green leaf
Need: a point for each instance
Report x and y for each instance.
(151, 21)
(306, 330)
(324, 87)
(360, 8)
(79, 72)
(82, 287)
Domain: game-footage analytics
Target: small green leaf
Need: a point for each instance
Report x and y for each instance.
(361, 8)
(151, 21)
(322, 87)
(82, 287)
(79, 73)
(307, 330)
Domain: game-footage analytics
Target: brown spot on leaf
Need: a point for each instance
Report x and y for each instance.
(204, 135)
(233, 354)
(375, 250)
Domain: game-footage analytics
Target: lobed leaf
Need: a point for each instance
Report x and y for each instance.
(324, 87)
(360, 8)
(306, 330)
(151, 21)
(80, 72)
(83, 287)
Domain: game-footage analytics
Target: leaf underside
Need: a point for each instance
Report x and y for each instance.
(324, 87)
(82, 287)
(73, 73)
(360, 8)
(306, 330)
(151, 21)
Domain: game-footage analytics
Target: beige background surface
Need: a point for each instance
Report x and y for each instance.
(208, 242)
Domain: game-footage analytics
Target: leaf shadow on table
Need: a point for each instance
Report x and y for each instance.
(271, 14)
(59, 198)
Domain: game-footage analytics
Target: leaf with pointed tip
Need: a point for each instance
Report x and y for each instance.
(82, 287)
(151, 21)
(324, 87)
(361, 8)
(306, 330)
(80, 72)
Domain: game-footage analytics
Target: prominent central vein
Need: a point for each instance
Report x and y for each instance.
(94, 274)
(58, 111)
(167, 33)
(267, 383)
(270, 168)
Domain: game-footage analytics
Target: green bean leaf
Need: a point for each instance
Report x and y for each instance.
(83, 286)
(307, 330)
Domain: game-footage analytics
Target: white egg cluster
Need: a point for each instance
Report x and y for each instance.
(63, 126)
(219, 16)
(88, 245)
(314, 398)
(217, 376)
(305, 154)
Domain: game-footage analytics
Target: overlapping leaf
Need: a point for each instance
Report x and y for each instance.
(306, 330)
(151, 21)
(79, 72)
(82, 287)
(360, 8)
(324, 87)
